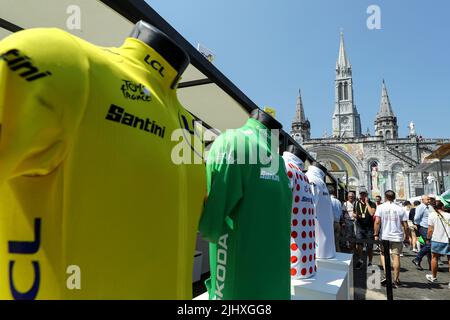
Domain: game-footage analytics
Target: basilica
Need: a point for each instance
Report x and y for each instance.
(377, 162)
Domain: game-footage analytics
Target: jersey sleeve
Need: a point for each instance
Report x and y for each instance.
(225, 189)
(41, 90)
(290, 176)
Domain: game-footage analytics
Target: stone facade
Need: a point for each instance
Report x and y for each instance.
(379, 162)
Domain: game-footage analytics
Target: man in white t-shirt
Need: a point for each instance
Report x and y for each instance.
(394, 223)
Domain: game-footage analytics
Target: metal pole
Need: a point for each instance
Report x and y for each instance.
(387, 265)
(441, 184)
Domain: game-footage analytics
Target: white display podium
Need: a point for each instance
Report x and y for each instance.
(341, 262)
(327, 284)
(197, 272)
(203, 296)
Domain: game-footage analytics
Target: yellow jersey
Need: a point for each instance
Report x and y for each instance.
(92, 203)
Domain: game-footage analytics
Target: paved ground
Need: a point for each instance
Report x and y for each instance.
(414, 284)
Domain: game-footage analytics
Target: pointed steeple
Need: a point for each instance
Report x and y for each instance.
(342, 62)
(385, 105)
(386, 121)
(301, 127)
(346, 119)
(299, 111)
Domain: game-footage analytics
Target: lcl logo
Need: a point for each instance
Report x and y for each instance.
(26, 248)
(155, 64)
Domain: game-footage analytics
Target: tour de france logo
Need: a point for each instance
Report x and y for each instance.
(135, 91)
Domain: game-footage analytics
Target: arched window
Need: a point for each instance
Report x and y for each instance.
(388, 134)
(346, 91)
(340, 91)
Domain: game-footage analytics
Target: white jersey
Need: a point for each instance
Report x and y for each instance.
(303, 258)
(324, 216)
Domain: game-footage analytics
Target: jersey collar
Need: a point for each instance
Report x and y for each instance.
(316, 172)
(146, 57)
(293, 158)
(255, 124)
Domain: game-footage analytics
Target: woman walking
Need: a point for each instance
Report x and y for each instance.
(439, 235)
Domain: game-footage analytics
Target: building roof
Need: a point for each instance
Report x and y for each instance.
(442, 153)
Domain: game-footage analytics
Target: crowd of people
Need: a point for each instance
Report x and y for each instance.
(423, 226)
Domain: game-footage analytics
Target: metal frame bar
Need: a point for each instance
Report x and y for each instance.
(194, 83)
(135, 10)
(5, 24)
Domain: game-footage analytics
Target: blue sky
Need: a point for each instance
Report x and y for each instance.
(270, 49)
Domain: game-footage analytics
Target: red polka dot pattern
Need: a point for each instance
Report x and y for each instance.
(302, 249)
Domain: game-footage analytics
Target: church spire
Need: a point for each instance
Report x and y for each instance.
(385, 105)
(342, 62)
(299, 111)
(301, 127)
(346, 119)
(386, 121)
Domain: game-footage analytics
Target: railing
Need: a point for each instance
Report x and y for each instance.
(337, 140)
(402, 156)
(343, 140)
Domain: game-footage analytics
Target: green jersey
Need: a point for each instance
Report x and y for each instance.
(247, 217)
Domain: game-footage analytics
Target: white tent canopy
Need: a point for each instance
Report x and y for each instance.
(102, 25)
